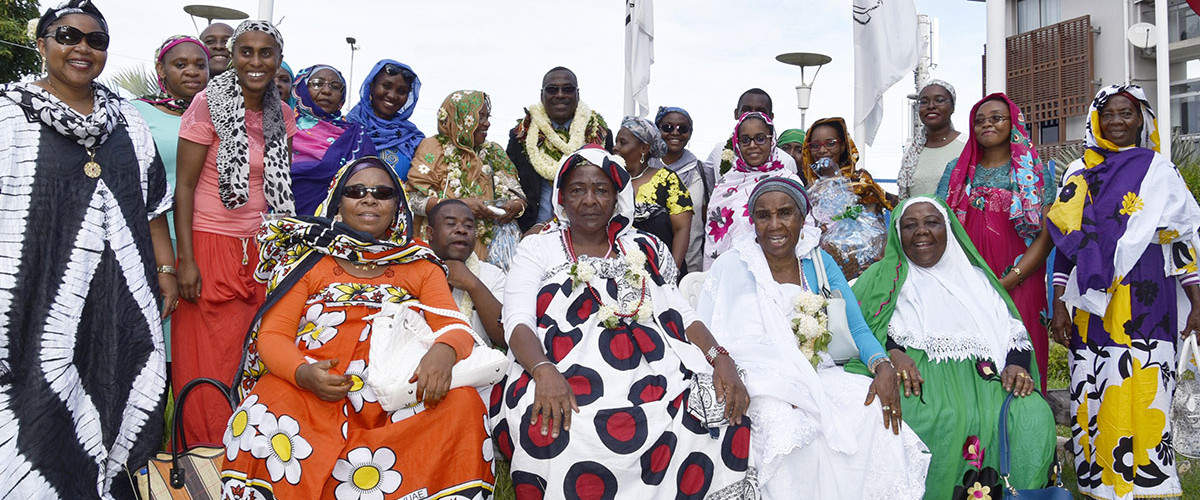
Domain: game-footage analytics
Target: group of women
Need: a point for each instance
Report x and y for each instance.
(618, 385)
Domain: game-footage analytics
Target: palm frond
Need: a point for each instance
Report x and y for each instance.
(137, 81)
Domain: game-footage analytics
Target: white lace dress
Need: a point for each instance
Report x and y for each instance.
(811, 435)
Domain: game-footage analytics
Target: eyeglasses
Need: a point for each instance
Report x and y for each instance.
(560, 89)
(668, 128)
(994, 120)
(759, 139)
(939, 100)
(320, 83)
(359, 191)
(827, 144)
(70, 36)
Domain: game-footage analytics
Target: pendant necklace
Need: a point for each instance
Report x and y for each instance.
(91, 168)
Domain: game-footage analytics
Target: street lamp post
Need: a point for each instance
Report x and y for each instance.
(804, 90)
(353, 47)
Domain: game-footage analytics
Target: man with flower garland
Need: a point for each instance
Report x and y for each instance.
(721, 158)
(557, 125)
(476, 285)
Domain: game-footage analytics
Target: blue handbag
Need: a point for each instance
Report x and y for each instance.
(1056, 492)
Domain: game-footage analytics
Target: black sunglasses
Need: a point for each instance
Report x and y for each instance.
(359, 191)
(70, 35)
(667, 128)
(560, 89)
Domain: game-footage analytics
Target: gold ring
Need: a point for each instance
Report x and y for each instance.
(904, 375)
(886, 407)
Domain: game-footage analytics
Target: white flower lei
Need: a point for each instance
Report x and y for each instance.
(539, 125)
(811, 326)
(635, 272)
(467, 307)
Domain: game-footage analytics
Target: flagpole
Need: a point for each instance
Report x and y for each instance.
(1163, 62)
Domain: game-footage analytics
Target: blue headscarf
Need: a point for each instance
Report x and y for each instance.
(663, 111)
(397, 132)
(307, 111)
(310, 179)
(291, 100)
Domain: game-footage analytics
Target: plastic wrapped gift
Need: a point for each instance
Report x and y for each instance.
(853, 236)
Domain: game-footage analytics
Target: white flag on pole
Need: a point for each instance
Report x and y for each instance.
(886, 49)
(639, 55)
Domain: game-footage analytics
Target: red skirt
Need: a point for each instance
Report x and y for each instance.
(207, 336)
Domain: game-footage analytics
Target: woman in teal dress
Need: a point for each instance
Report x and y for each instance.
(182, 66)
(959, 348)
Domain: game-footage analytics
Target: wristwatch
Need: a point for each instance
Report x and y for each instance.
(713, 352)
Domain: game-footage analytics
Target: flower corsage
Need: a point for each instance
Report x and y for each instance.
(811, 326)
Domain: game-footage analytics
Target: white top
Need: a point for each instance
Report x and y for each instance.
(493, 278)
(932, 164)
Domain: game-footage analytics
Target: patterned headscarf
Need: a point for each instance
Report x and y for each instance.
(1026, 173)
(912, 154)
(861, 182)
(772, 162)
(458, 119)
(396, 132)
(308, 113)
(1148, 136)
(163, 97)
(806, 157)
(647, 133)
(228, 109)
(284, 242)
(1115, 204)
(85, 7)
(594, 154)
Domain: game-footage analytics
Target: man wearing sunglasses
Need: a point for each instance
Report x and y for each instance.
(720, 160)
(475, 284)
(558, 125)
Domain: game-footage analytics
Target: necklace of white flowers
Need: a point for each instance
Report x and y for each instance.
(539, 125)
(635, 272)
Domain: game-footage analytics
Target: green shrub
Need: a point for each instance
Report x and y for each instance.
(1058, 371)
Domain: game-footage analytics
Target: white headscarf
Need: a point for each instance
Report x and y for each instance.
(950, 310)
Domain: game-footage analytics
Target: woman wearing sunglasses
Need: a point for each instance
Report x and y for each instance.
(86, 255)
(755, 158)
(386, 101)
(676, 126)
(328, 435)
(1000, 190)
(325, 141)
(234, 159)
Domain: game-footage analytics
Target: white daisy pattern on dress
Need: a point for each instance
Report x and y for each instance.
(366, 475)
(239, 434)
(279, 443)
(318, 326)
(360, 392)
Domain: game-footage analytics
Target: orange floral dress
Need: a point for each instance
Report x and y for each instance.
(284, 442)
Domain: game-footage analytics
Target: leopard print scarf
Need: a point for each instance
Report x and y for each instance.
(227, 106)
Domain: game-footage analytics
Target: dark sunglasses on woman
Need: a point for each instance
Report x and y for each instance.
(667, 128)
(359, 191)
(70, 35)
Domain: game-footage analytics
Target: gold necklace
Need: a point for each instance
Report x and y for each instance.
(91, 168)
(364, 267)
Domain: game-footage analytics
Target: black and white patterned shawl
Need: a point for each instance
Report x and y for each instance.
(227, 106)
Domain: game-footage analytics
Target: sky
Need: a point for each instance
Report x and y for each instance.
(707, 52)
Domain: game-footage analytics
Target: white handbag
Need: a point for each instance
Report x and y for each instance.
(841, 347)
(400, 337)
(1185, 407)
